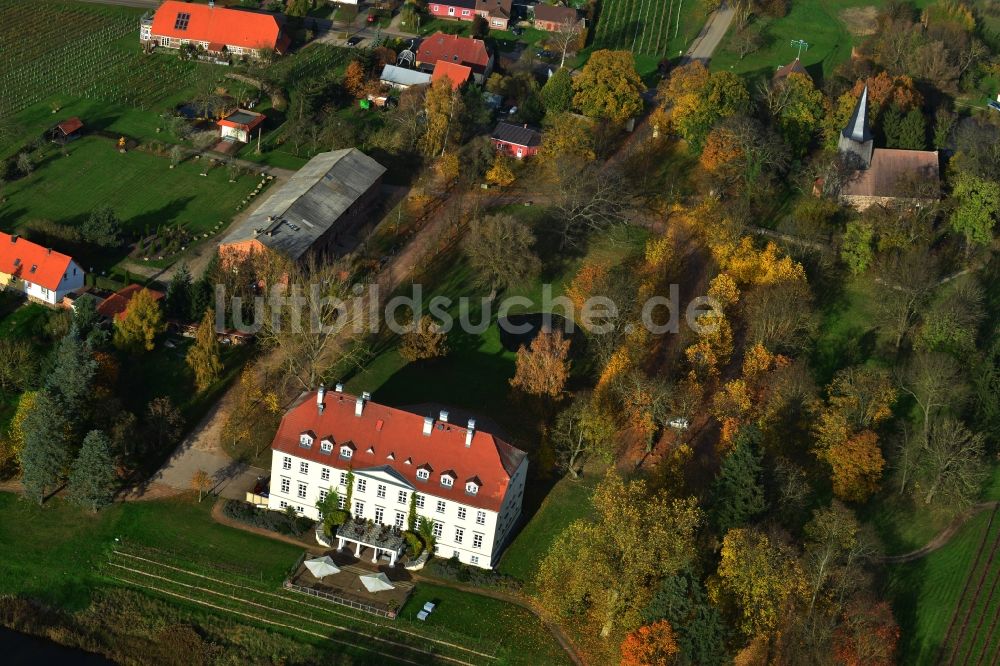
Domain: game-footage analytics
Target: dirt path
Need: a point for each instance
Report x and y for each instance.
(711, 35)
(943, 537)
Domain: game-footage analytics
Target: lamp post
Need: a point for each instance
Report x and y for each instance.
(802, 45)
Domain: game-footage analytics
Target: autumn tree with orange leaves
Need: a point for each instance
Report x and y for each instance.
(543, 368)
(651, 645)
(867, 636)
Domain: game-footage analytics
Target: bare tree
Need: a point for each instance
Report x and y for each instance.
(566, 39)
(936, 382)
(781, 316)
(951, 463)
(314, 318)
(501, 249)
(905, 281)
(591, 199)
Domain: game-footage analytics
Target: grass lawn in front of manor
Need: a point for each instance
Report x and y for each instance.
(140, 187)
(567, 501)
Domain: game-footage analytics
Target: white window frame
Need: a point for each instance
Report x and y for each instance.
(343, 478)
(459, 534)
(303, 467)
(286, 463)
(440, 506)
(465, 12)
(423, 474)
(305, 441)
(447, 480)
(437, 529)
(380, 491)
(420, 501)
(472, 488)
(323, 493)
(359, 509)
(324, 473)
(326, 446)
(362, 485)
(461, 513)
(400, 520)
(380, 515)
(451, 11)
(286, 485)
(303, 490)
(474, 559)
(401, 497)
(477, 540)
(480, 517)
(346, 452)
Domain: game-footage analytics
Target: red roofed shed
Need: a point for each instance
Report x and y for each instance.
(457, 74)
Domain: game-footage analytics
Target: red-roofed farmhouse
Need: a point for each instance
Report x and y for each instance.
(496, 12)
(457, 74)
(218, 30)
(468, 482)
(39, 272)
(457, 50)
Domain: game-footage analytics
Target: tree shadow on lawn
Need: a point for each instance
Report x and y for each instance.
(903, 585)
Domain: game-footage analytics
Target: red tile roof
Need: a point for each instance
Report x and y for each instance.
(116, 304)
(893, 173)
(452, 48)
(457, 74)
(234, 27)
(394, 437)
(32, 262)
(70, 125)
(794, 67)
(555, 14)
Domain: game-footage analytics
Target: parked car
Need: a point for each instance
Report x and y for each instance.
(679, 423)
(354, 41)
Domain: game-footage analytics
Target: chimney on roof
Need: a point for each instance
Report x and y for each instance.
(48, 250)
(468, 433)
(320, 395)
(428, 425)
(13, 238)
(338, 387)
(443, 416)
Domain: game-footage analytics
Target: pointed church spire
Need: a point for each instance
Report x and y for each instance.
(857, 127)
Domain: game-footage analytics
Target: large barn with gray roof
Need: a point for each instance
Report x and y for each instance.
(316, 211)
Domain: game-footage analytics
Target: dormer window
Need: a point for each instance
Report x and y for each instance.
(306, 440)
(447, 479)
(472, 486)
(346, 451)
(424, 473)
(326, 446)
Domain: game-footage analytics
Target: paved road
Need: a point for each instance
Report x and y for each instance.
(711, 35)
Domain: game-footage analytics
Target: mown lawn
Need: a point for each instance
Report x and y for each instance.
(57, 554)
(818, 22)
(52, 552)
(568, 500)
(140, 187)
(926, 592)
(512, 629)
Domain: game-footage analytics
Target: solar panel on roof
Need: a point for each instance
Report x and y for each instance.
(182, 21)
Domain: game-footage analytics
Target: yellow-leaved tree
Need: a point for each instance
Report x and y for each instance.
(601, 572)
(203, 357)
(143, 321)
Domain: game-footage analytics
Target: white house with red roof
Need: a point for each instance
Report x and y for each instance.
(40, 273)
(217, 30)
(467, 482)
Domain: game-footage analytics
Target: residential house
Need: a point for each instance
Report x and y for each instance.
(497, 13)
(42, 274)
(469, 483)
(114, 306)
(883, 175)
(402, 78)
(553, 18)
(217, 30)
(316, 211)
(240, 124)
(457, 74)
(459, 50)
(518, 141)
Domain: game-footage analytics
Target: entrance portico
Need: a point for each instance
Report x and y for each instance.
(382, 539)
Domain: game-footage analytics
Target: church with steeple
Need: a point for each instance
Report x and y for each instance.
(884, 175)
